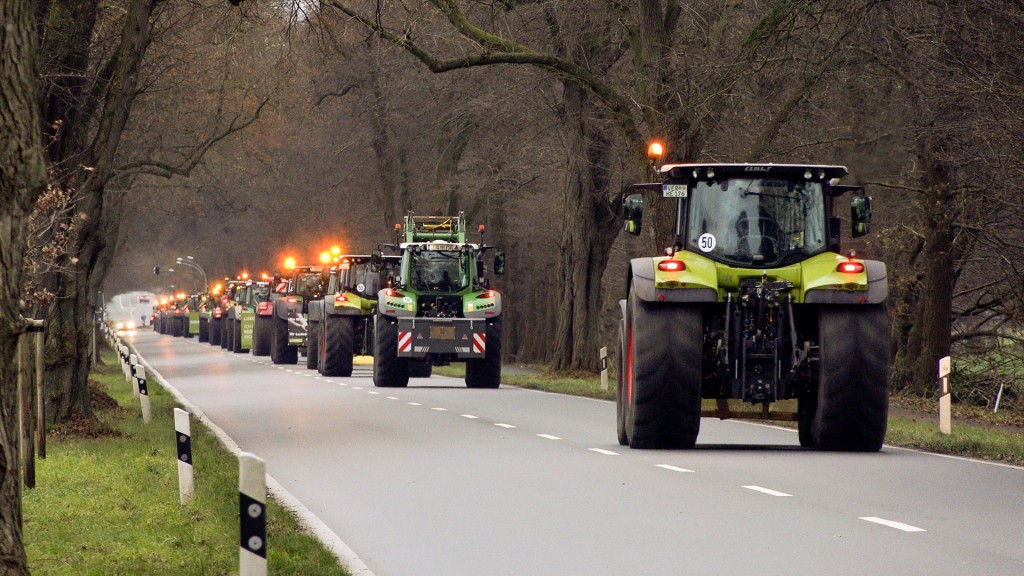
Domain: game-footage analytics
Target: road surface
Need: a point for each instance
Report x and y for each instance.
(439, 480)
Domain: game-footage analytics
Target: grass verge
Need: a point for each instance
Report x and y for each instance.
(106, 499)
(976, 432)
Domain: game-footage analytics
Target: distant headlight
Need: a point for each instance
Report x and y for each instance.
(120, 326)
(129, 325)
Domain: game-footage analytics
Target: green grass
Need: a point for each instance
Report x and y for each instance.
(109, 505)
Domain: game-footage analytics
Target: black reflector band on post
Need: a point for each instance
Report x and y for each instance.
(184, 448)
(253, 525)
(142, 387)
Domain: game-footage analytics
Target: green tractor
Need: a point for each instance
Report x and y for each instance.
(341, 324)
(289, 310)
(440, 308)
(755, 302)
(242, 316)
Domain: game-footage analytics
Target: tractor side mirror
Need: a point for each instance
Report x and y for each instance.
(377, 261)
(860, 215)
(633, 212)
(499, 263)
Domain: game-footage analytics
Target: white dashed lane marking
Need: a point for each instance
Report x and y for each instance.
(440, 409)
(767, 491)
(470, 416)
(415, 404)
(673, 468)
(603, 451)
(549, 436)
(392, 397)
(893, 524)
(372, 392)
(504, 425)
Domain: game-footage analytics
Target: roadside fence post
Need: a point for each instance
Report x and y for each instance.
(604, 367)
(945, 417)
(38, 326)
(252, 505)
(183, 435)
(147, 414)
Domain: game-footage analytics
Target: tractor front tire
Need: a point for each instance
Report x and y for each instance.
(339, 340)
(312, 345)
(389, 371)
(853, 401)
(486, 372)
(663, 381)
(261, 336)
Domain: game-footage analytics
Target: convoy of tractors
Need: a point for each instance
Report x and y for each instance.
(753, 302)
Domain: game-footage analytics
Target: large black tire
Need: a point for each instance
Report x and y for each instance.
(805, 410)
(236, 338)
(620, 403)
(339, 340)
(389, 371)
(853, 371)
(226, 335)
(280, 351)
(664, 377)
(486, 372)
(186, 328)
(176, 327)
(312, 345)
(261, 336)
(204, 330)
(216, 326)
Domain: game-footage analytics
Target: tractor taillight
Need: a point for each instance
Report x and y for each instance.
(389, 293)
(487, 295)
(224, 300)
(672, 265)
(263, 306)
(340, 298)
(217, 312)
(291, 300)
(850, 267)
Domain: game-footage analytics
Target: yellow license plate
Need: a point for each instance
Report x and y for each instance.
(442, 332)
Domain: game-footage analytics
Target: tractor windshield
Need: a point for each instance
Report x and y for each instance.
(439, 270)
(761, 222)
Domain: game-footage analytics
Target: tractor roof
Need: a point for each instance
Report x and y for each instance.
(817, 172)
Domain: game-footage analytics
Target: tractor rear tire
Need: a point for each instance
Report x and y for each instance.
(338, 342)
(620, 404)
(204, 330)
(236, 341)
(176, 327)
(486, 372)
(853, 400)
(261, 336)
(389, 371)
(215, 329)
(280, 351)
(186, 328)
(663, 385)
(226, 335)
(312, 345)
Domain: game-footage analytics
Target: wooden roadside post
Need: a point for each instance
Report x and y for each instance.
(37, 327)
(604, 367)
(252, 506)
(945, 418)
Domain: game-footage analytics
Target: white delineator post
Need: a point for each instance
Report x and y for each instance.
(138, 372)
(133, 360)
(183, 437)
(147, 414)
(945, 418)
(252, 506)
(604, 367)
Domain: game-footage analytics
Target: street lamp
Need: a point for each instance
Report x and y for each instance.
(191, 263)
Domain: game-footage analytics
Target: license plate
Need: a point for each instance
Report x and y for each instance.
(673, 190)
(442, 332)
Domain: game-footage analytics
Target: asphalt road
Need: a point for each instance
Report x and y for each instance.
(437, 479)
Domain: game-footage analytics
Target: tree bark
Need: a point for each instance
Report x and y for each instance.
(22, 180)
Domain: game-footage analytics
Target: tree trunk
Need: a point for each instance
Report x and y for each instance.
(22, 180)
(935, 302)
(589, 228)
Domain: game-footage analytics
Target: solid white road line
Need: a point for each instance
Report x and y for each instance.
(767, 491)
(892, 524)
(673, 468)
(549, 436)
(603, 451)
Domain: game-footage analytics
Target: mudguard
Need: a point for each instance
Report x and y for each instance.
(877, 292)
(691, 285)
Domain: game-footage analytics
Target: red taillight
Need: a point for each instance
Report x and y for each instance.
(671, 265)
(488, 294)
(217, 312)
(291, 300)
(224, 300)
(850, 267)
(389, 292)
(263, 306)
(341, 298)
